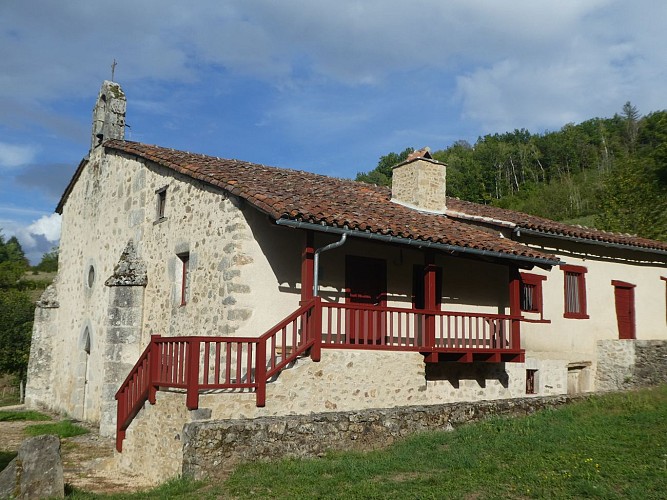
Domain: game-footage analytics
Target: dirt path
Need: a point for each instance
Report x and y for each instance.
(88, 462)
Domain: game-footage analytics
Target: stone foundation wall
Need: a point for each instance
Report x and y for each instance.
(152, 448)
(650, 362)
(628, 364)
(210, 448)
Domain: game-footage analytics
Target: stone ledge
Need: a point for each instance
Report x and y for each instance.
(212, 447)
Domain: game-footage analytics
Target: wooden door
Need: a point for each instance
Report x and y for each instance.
(624, 295)
(366, 284)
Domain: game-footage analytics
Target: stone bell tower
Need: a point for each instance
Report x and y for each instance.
(108, 114)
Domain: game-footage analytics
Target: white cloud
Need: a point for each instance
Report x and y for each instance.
(12, 155)
(48, 226)
(36, 238)
(526, 63)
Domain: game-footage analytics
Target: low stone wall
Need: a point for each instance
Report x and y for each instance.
(629, 364)
(212, 448)
(650, 362)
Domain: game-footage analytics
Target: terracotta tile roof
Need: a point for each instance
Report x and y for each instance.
(531, 222)
(308, 197)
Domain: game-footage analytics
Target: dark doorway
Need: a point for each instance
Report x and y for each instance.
(366, 284)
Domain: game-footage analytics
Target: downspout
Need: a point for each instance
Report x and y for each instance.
(316, 261)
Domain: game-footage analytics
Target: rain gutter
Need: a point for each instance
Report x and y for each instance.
(416, 243)
(519, 231)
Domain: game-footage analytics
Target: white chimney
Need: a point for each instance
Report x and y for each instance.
(420, 182)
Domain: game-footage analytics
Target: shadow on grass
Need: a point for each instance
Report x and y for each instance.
(5, 458)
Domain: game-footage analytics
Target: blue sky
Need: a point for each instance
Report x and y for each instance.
(327, 87)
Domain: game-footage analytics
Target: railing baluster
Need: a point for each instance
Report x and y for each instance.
(228, 363)
(207, 346)
(216, 363)
(239, 356)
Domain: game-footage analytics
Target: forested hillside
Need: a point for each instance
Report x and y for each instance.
(609, 173)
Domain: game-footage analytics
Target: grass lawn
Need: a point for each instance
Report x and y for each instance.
(612, 446)
(64, 429)
(18, 416)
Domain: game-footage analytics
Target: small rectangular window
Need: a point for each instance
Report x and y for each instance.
(161, 203)
(575, 292)
(531, 381)
(664, 278)
(531, 293)
(185, 277)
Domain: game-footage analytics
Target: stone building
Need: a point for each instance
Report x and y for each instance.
(197, 282)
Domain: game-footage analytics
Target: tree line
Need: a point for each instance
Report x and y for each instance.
(17, 303)
(609, 173)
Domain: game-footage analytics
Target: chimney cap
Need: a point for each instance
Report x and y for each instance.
(419, 154)
(424, 152)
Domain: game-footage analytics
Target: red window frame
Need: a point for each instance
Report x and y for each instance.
(578, 272)
(533, 281)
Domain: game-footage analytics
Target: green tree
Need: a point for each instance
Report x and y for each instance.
(49, 262)
(16, 317)
(13, 263)
(631, 117)
(381, 174)
(634, 200)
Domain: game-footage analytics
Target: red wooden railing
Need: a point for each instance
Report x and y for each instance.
(205, 363)
(466, 336)
(197, 364)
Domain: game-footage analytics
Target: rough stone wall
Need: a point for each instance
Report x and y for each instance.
(650, 362)
(233, 274)
(628, 364)
(420, 184)
(211, 448)
(615, 363)
(153, 447)
(40, 362)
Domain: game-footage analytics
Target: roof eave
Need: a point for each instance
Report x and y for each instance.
(532, 261)
(609, 244)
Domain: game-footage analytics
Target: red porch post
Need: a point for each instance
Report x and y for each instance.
(430, 304)
(153, 368)
(515, 307)
(260, 373)
(316, 330)
(307, 266)
(192, 377)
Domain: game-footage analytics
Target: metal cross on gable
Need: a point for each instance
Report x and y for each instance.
(113, 68)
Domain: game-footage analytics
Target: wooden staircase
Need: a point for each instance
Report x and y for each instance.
(197, 364)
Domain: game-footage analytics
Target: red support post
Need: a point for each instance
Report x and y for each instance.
(316, 330)
(154, 362)
(192, 376)
(120, 416)
(515, 307)
(260, 373)
(430, 299)
(307, 267)
(120, 436)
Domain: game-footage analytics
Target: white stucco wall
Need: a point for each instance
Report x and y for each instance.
(575, 340)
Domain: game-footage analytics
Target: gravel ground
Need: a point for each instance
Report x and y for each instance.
(88, 460)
